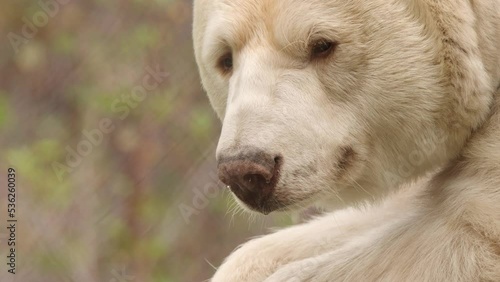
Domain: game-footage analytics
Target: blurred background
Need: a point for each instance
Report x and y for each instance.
(103, 117)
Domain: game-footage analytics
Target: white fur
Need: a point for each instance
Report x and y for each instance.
(411, 89)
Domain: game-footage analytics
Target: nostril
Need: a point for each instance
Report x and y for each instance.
(255, 179)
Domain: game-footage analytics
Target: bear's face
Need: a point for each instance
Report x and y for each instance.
(320, 100)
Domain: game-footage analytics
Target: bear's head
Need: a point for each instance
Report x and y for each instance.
(324, 101)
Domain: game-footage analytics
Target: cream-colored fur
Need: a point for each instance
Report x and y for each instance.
(401, 123)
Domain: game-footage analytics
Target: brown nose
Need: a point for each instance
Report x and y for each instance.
(251, 175)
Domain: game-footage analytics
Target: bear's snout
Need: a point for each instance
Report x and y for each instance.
(252, 175)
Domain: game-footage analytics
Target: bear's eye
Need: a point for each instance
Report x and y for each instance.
(226, 63)
(322, 48)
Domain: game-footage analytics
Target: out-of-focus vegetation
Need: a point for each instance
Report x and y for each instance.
(115, 183)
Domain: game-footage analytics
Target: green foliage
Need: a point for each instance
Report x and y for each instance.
(201, 125)
(35, 163)
(4, 109)
(64, 43)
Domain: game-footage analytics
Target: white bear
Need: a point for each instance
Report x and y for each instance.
(387, 111)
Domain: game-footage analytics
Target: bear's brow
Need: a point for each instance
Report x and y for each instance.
(248, 21)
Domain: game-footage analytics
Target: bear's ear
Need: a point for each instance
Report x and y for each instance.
(469, 82)
(463, 68)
